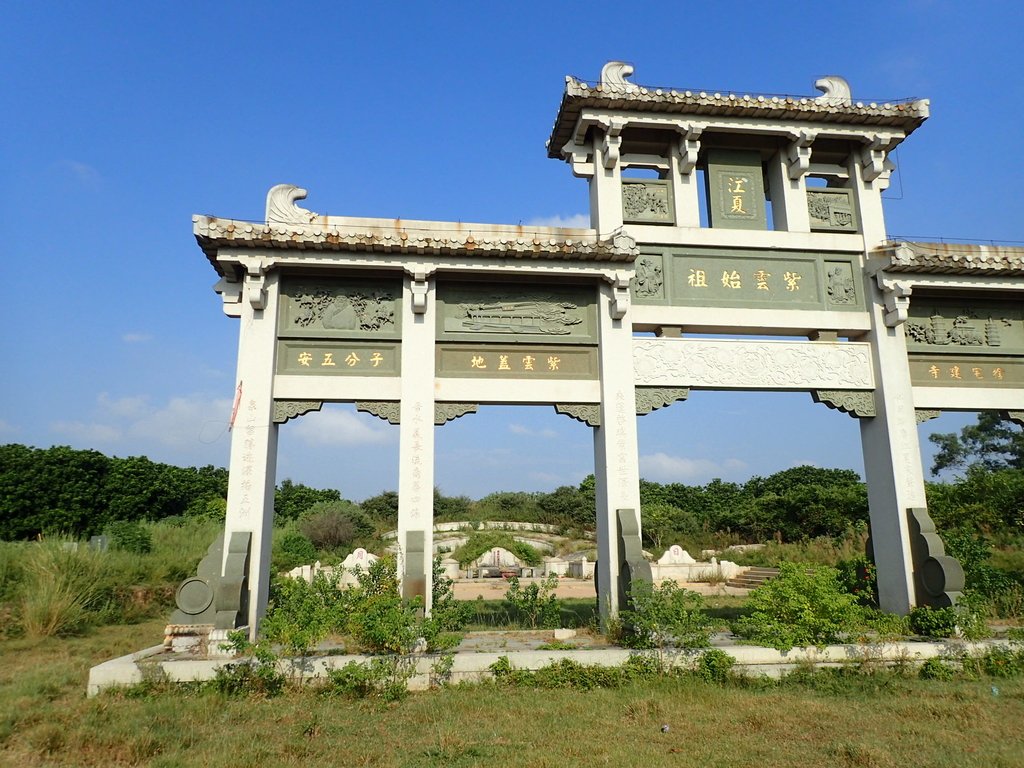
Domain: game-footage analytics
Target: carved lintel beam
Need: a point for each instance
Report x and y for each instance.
(1017, 417)
(687, 148)
(419, 288)
(285, 410)
(652, 398)
(611, 142)
(859, 403)
(799, 154)
(587, 413)
(389, 410)
(445, 412)
(231, 296)
(926, 414)
(896, 294)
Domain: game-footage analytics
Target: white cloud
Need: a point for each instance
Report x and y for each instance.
(336, 427)
(662, 468)
(87, 433)
(524, 431)
(135, 338)
(575, 221)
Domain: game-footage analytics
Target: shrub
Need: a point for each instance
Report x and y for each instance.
(301, 614)
(663, 617)
(386, 678)
(714, 666)
(130, 536)
(481, 541)
(449, 614)
(291, 550)
(937, 669)
(535, 603)
(859, 577)
(334, 524)
(799, 607)
(255, 674)
(963, 620)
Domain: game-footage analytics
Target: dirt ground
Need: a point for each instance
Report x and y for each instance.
(495, 589)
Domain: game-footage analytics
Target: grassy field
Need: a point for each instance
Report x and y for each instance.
(868, 720)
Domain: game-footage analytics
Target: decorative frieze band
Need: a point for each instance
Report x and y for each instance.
(445, 412)
(290, 409)
(588, 414)
(389, 410)
(858, 403)
(652, 398)
(733, 364)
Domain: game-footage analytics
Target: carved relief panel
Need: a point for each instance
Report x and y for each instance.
(340, 308)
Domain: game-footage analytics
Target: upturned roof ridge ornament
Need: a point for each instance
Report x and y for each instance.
(281, 207)
(613, 77)
(835, 91)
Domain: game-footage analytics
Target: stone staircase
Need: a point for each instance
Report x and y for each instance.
(753, 578)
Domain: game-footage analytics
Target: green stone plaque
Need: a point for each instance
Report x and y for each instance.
(338, 358)
(970, 371)
(340, 308)
(951, 327)
(516, 361)
(517, 313)
(735, 187)
(748, 278)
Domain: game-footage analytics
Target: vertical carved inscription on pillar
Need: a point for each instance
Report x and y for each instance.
(248, 461)
(418, 422)
(622, 462)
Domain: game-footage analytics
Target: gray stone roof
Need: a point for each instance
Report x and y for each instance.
(953, 258)
(394, 236)
(904, 115)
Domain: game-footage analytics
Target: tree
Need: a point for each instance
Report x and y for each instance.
(292, 499)
(993, 443)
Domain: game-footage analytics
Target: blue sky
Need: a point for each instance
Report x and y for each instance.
(121, 120)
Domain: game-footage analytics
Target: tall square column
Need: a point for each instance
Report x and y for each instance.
(416, 448)
(253, 463)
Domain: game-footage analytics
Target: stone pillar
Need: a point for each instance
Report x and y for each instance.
(253, 463)
(615, 443)
(606, 184)
(416, 448)
(788, 195)
(892, 454)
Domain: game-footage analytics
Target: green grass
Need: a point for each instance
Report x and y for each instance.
(495, 614)
(867, 721)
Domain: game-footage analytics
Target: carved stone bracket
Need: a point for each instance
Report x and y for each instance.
(652, 398)
(858, 403)
(1017, 417)
(588, 414)
(389, 410)
(290, 409)
(875, 162)
(620, 294)
(611, 144)
(926, 414)
(231, 296)
(445, 412)
(688, 148)
(799, 154)
(938, 578)
(281, 207)
(896, 294)
(418, 288)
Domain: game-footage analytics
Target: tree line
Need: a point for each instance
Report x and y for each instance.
(82, 492)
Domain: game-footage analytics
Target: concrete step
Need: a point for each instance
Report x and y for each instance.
(753, 578)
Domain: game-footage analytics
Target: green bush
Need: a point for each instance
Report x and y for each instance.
(936, 669)
(66, 588)
(962, 620)
(292, 550)
(535, 603)
(449, 614)
(663, 617)
(482, 541)
(130, 536)
(301, 614)
(386, 678)
(714, 666)
(799, 607)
